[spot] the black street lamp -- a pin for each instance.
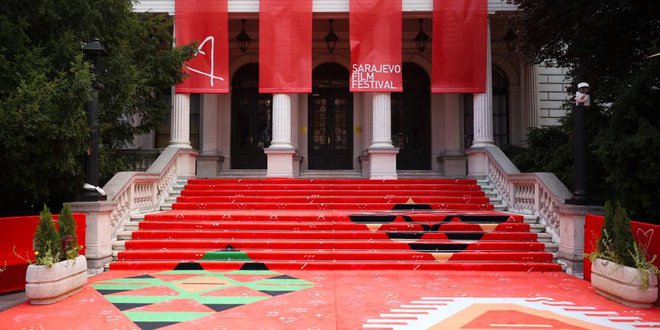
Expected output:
(331, 38)
(579, 110)
(422, 38)
(243, 39)
(93, 51)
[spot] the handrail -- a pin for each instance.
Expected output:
(538, 193)
(136, 192)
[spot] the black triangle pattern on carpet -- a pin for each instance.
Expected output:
(372, 218)
(109, 292)
(127, 306)
(275, 293)
(229, 248)
(142, 276)
(222, 307)
(254, 266)
(188, 266)
(283, 277)
(153, 325)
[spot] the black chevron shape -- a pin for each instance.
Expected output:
(153, 325)
(405, 235)
(474, 236)
(434, 247)
(188, 266)
(372, 218)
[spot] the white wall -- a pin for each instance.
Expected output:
(552, 94)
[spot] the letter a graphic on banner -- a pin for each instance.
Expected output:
(376, 45)
(203, 22)
(459, 46)
(285, 46)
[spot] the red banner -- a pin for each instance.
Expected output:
(285, 46)
(375, 27)
(460, 38)
(204, 22)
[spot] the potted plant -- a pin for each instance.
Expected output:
(58, 271)
(620, 270)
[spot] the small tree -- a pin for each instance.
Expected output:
(68, 237)
(46, 240)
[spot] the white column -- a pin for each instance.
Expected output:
(209, 160)
(453, 160)
(281, 153)
(382, 121)
(180, 127)
(210, 133)
(382, 154)
(281, 121)
(530, 97)
(483, 106)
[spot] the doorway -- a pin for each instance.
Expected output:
(251, 120)
(330, 119)
(411, 120)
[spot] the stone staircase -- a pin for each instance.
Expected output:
(407, 242)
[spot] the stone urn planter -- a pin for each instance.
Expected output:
(624, 284)
(46, 285)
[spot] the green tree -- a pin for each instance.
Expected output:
(45, 85)
(46, 240)
(613, 55)
(66, 226)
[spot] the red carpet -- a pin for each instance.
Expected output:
(334, 224)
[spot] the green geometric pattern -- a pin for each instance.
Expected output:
(198, 288)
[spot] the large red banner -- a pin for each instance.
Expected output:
(459, 46)
(204, 22)
(375, 28)
(285, 46)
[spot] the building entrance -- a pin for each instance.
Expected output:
(330, 119)
(251, 120)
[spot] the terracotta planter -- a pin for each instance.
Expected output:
(46, 285)
(623, 284)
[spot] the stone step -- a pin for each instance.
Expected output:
(552, 247)
(124, 235)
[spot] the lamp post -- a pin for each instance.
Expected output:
(579, 110)
(93, 51)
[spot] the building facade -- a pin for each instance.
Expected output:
(373, 134)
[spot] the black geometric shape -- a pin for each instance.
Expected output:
(405, 235)
(153, 325)
(283, 277)
(412, 207)
(254, 266)
(433, 247)
(127, 306)
(142, 276)
(372, 218)
(188, 266)
(275, 293)
(106, 292)
(229, 248)
(469, 236)
(222, 307)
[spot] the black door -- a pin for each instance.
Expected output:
(411, 120)
(331, 138)
(330, 119)
(251, 120)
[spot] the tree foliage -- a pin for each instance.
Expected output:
(45, 85)
(613, 55)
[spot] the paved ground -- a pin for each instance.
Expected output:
(332, 300)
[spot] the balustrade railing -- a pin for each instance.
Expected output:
(528, 193)
(136, 192)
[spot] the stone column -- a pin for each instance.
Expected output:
(453, 160)
(180, 127)
(530, 97)
(209, 162)
(382, 154)
(483, 106)
(180, 135)
(281, 152)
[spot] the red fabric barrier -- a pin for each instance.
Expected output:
(17, 235)
(375, 27)
(647, 235)
(285, 46)
(459, 46)
(204, 22)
